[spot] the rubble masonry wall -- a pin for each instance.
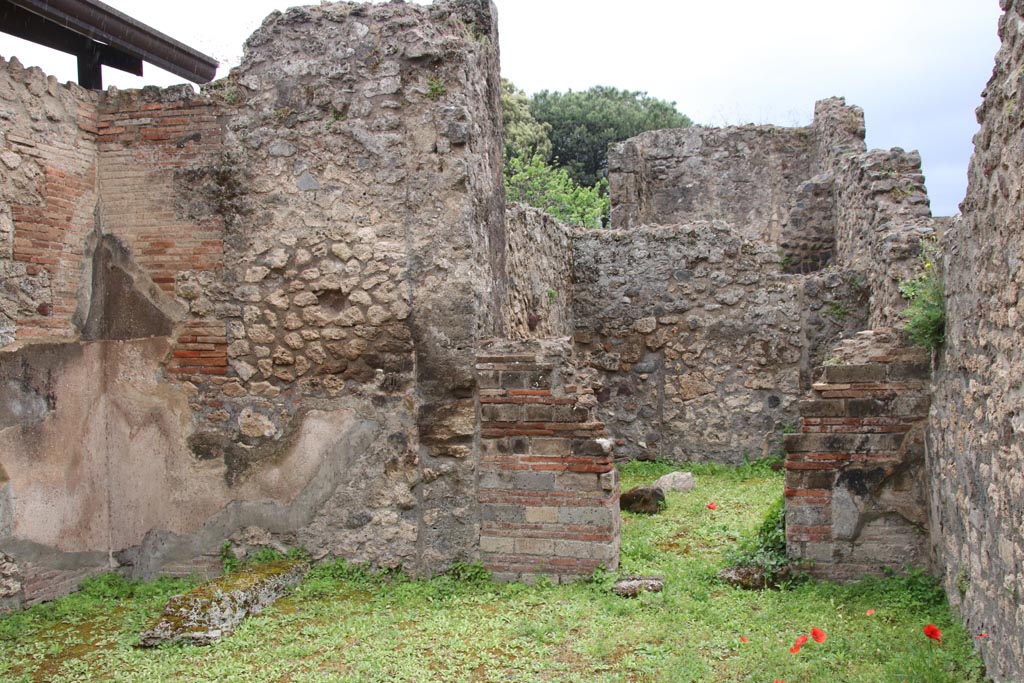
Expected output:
(976, 426)
(260, 303)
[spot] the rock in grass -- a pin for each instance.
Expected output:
(755, 578)
(214, 609)
(632, 586)
(643, 499)
(676, 481)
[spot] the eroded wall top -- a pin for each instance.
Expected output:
(814, 193)
(743, 175)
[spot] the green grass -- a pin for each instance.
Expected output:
(347, 624)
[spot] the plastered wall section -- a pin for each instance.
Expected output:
(977, 420)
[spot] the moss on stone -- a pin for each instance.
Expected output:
(214, 609)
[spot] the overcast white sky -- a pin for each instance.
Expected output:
(917, 67)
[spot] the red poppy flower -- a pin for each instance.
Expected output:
(933, 632)
(801, 640)
(983, 634)
(870, 612)
(793, 650)
(775, 680)
(743, 639)
(712, 506)
(818, 635)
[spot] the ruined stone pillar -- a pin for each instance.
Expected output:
(856, 491)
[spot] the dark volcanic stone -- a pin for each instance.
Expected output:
(646, 500)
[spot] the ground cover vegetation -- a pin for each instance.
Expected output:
(556, 145)
(346, 623)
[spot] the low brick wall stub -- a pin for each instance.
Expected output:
(548, 491)
(856, 500)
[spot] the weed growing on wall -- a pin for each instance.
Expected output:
(926, 313)
(229, 563)
(436, 89)
(837, 310)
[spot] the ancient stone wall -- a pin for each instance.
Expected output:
(808, 239)
(835, 307)
(976, 427)
(145, 139)
(549, 493)
(744, 175)
(880, 210)
(815, 193)
(47, 201)
(539, 265)
(845, 222)
(856, 489)
(265, 313)
(698, 338)
(267, 299)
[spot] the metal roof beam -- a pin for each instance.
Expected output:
(28, 26)
(114, 36)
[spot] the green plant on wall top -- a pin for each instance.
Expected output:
(926, 313)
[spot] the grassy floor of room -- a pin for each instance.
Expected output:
(346, 624)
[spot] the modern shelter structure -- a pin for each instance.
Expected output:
(98, 35)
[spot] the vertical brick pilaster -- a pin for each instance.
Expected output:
(855, 471)
(548, 491)
(49, 233)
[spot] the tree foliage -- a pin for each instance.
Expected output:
(583, 124)
(556, 145)
(551, 190)
(525, 136)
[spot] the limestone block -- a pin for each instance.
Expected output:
(681, 482)
(213, 611)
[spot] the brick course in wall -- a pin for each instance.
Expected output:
(855, 493)
(548, 491)
(50, 169)
(45, 584)
(145, 137)
(201, 351)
